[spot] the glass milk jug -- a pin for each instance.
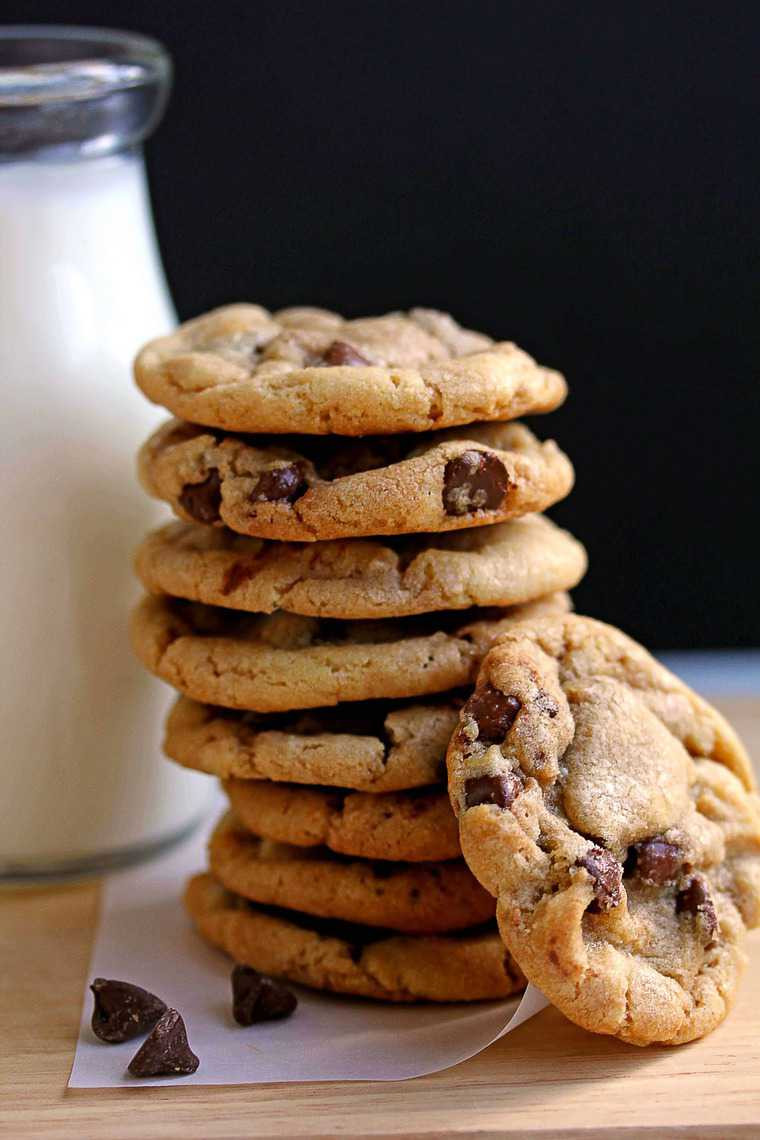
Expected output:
(83, 785)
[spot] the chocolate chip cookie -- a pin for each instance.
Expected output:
(348, 958)
(612, 813)
(306, 489)
(501, 565)
(416, 898)
(282, 661)
(369, 746)
(413, 827)
(308, 370)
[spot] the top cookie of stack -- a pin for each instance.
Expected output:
(310, 371)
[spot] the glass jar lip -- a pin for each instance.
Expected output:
(69, 93)
(55, 63)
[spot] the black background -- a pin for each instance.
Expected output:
(582, 178)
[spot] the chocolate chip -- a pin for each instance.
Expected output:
(474, 481)
(203, 500)
(258, 998)
(499, 790)
(280, 484)
(695, 899)
(494, 713)
(236, 576)
(607, 875)
(166, 1052)
(655, 861)
(123, 1011)
(341, 353)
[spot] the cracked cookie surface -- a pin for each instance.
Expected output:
(369, 746)
(416, 898)
(308, 370)
(304, 489)
(353, 959)
(412, 827)
(501, 565)
(278, 662)
(612, 813)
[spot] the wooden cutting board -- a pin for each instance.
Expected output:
(547, 1079)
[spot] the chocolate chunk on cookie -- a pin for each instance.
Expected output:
(655, 861)
(612, 812)
(606, 875)
(284, 483)
(340, 353)
(489, 714)
(694, 899)
(474, 481)
(499, 790)
(201, 501)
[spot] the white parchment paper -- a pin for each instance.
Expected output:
(145, 937)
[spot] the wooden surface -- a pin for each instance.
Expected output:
(547, 1079)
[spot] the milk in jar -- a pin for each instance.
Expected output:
(83, 784)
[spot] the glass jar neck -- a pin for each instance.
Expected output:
(71, 93)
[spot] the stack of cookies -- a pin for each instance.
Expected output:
(359, 521)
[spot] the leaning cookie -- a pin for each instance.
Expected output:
(369, 746)
(353, 959)
(611, 811)
(416, 898)
(501, 565)
(308, 370)
(281, 661)
(412, 827)
(306, 489)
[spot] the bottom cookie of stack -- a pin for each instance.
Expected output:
(350, 958)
